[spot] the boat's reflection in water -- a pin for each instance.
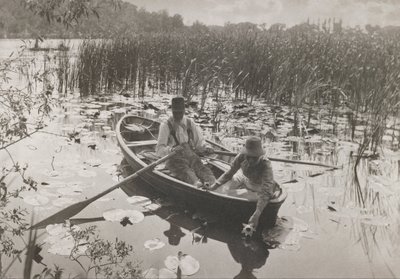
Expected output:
(249, 253)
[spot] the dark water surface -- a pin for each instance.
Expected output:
(323, 230)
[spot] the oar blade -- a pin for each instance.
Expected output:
(62, 215)
(75, 208)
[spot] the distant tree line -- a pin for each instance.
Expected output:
(98, 19)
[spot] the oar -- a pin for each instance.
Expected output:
(228, 153)
(75, 208)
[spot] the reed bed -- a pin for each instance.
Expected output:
(305, 66)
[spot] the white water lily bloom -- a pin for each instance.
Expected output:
(117, 215)
(138, 200)
(154, 244)
(36, 200)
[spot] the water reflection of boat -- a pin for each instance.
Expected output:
(249, 253)
(137, 136)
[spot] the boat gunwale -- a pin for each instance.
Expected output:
(122, 143)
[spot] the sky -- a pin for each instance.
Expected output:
(289, 12)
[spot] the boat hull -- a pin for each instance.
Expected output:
(222, 207)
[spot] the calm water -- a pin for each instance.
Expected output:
(323, 232)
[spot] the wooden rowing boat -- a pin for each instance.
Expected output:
(137, 138)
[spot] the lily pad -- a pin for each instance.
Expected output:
(62, 247)
(36, 200)
(117, 215)
(154, 244)
(187, 264)
(138, 200)
(87, 173)
(70, 191)
(93, 162)
(61, 202)
(172, 263)
(56, 229)
(151, 273)
(154, 273)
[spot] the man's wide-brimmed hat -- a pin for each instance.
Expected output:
(253, 147)
(178, 104)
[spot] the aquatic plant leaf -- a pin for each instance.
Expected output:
(189, 265)
(110, 150)
(172, 263)
(61, 202)
(70, 191)
(151, 273)
(87, 173)
(154, 244)
(46, 193)
(62, 247)
(138, 200)
(56, 229)
(299, 225)
(117, 215)
(376, 221)
(93, 162)
(36, 200)
(165, 273)
(186, 263)
(152, 207)
(294, 187)
(58, 174)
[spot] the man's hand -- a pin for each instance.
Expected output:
(177, 149)
(209, 150)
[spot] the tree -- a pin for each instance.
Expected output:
(66, 12)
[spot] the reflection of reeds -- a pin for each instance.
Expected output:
(30, 251)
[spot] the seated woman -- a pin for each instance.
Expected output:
(251, 170)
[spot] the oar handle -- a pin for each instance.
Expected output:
(134, 175)
(228, 153)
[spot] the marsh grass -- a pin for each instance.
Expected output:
(306, 66)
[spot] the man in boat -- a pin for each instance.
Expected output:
(183, 135)
(251, 170)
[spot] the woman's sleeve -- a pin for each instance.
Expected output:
(229, 173)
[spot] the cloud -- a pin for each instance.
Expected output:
(290, 12)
